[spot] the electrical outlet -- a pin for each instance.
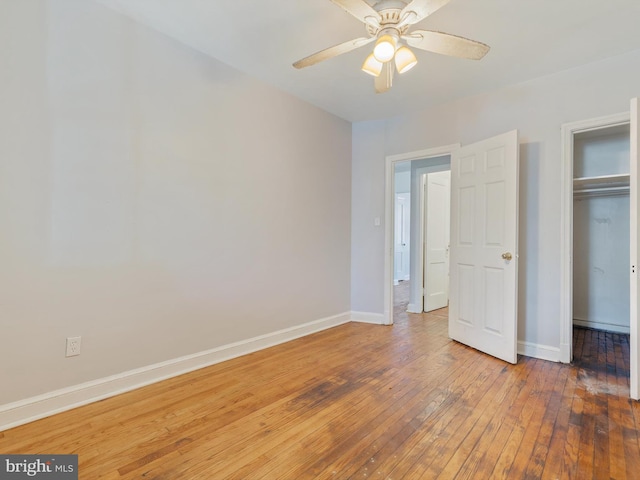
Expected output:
(73, 346)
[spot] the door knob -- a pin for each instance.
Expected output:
(507, 256)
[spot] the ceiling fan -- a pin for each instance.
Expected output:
(387, 23)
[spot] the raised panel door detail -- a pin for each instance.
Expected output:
(493, 300)
(494, 214)
(467, 165)
(466, 219)
(494, 158)
(466, 289)
(484, 226)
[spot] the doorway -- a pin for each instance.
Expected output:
(433, 160)
(597, 218)
(601, 229)
(590, 177)
(484, 239)
(402, 223)
(421, 232)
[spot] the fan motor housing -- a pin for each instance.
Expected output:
(390, 4)
(389, 11)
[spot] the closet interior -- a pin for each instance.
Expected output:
(601, 229)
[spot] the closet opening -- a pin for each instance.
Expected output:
(601, 239)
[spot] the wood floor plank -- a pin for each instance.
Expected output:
(448, 429)
(354, 451)
(467, 448)
(563, 447)
(389, 459)
(617, 459)
(542, 445)
(513, 460)
(602, 430)
(364, 401)
(506, 419)
(426, 432)
(631, 438)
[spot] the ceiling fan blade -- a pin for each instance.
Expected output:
(446, 44)
(419, 9)
(384, 81)
(334, 51)
(360, 9)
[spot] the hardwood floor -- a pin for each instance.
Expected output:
(364, 401)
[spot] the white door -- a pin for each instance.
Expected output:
(484, 240)
(402, 235)
(634, 210)
(436, 246)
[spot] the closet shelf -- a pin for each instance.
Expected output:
(606, 185)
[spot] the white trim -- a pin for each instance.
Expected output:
(634, 210)
(390, 161)
(568, 131)
(566, 351)
(414, 308)
(34, 408)
(368, 317)
(543, 352)
(421, 246)
(609, 327)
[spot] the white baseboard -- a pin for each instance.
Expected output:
(367, 317)
(543, 352)
(414, 308)
(610, 327)
(34, 408)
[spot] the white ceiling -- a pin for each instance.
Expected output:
(528, 39)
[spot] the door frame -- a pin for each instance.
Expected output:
(389, 220)
(569, 130)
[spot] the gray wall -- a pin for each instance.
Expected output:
(152, 200)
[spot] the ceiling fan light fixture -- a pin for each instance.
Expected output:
(405, 59)
(372, 66)
(385, 48)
